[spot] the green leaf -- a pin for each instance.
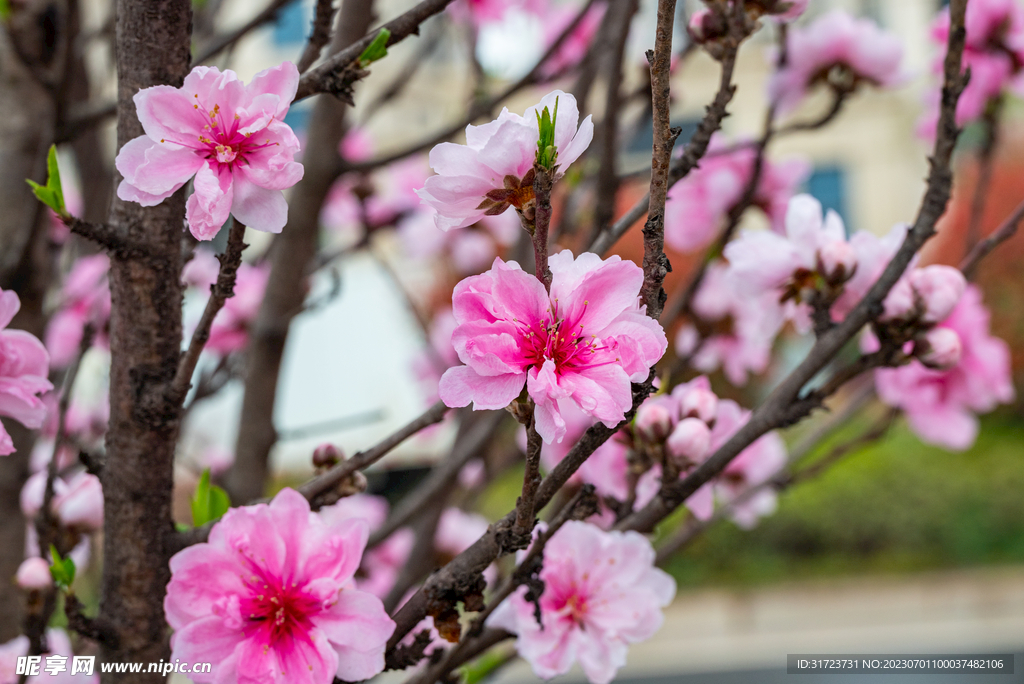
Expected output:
(61, 569)
(378, 49)
(547, 153)
(51, 194)
(479, 669)
(5, 9)
(209, 502)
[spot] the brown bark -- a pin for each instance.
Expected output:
(293, 252)
(27, 115)
(152, 48)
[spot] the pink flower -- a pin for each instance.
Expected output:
(85, 299)
(457, 530)
(231, 137)
(606, 467)
(57, 643)
(380, 565)
(745, 325)
(470, 250)
(34, 573)
(574, 48)
(940, 404)
(586, 341)
(653, 421)
(753, 466)
(699, 204)
(357, 202)
(488, 174)
(601, 594)
(872, 255)
(942, 349)
(24, 365)
(930, 292)
(994, 53)
(479, 12)
(230, 330)
(836, 39)
(77, 502)
(762, 261)
(270, 598)
(689, 441)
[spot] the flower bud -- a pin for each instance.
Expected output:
(327, 455)
(653, 421)
(81, 506)
(939, 289)
(838, 261)
(899, 303)
(707, 26)
(941, 348)
(690, 440)
(699, 403)
(34, 573)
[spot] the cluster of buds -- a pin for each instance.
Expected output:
(325, 457)
(675, 429)
(919, 301)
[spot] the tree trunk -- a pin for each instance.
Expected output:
(153, 40)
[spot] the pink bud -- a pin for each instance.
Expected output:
(939, 288)
(899, 303)
(838, 260)
(81, 505)
(653, 421)
(327, 455)
(700, 403)
(941, 349)
(34, 573)
(706, 25)
(690, 440)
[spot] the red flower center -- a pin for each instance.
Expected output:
(276, 610)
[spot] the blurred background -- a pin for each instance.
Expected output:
(900, 547)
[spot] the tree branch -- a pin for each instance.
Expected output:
(1004, 232)
(319, 36)
(220, 292)
(219, 43)
(478, 110)
(337, 74)
(655, 263)
(782, 407)
(692, 154)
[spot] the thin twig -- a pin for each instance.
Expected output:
(219, 43)
(441, 477)
(693, 527)
(220, 292)
(340, 70)
(525, 511)
(1004, 232)
(480, 109)
(364, 459)
(692, 154)
(319, 36)
(324, 482)
(543, 181)
(655, 263)
(526, 567)
(620, 18)
(986, 164)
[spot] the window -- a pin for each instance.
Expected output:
(293, 23)
(828, 185)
